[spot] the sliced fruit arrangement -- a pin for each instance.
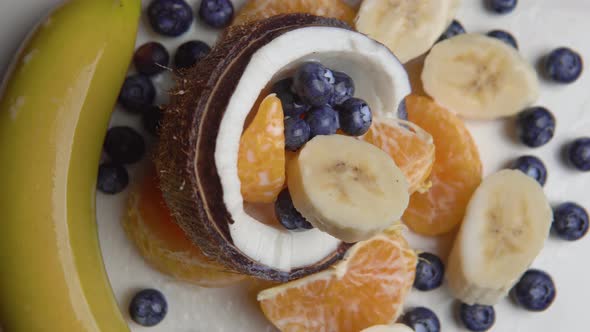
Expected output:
(408, 27)
(346, 187)
(58, 99)
(505, 227)
(479, 77)
(411, 147)
(260, 9)
(368, 287)
(163, 244)
(261, 159)
(456, 173)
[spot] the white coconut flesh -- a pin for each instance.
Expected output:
(379, 78)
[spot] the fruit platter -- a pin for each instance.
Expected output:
(294, 165)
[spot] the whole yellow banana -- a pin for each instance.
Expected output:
(54, 112)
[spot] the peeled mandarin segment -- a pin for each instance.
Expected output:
(411, 148)
(261, 160)
(367, 288)
(260, 9)
(164, 245)
(456, 173)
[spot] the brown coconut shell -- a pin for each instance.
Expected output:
(188, 174)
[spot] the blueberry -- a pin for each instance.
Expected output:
(456, 28)
(533, 167)
(151, 58)
(216, 13)
(355, 117)
(570, 221)
(189, 53)
(564, 65)
(343, 88)
(323, 121)
(536, 126)
(152, 119)
(429, 272)
(170, 18)
(314, 83)
(297, 133)
(287, 215)
(137, 93)
(535, 291)
(421, 319)
(124, 145)
(402, 111)
(504, 36)
(502, 6)
(292, 105)
(579, 154)
(477, 318)
(112, 178)
(148, 307)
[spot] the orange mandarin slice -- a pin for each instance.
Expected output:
(456, 173)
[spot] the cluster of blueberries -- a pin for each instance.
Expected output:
(170, 18)
(535, 291)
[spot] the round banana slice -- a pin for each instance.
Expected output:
(504, 229)
(479, 77)
(389, 328)
(408, 27)
(347, 188)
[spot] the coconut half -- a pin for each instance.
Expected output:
(198, 151)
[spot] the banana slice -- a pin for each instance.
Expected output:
(504, 229)
(346, 187)
(479, 77)
(453, 9)
(408, 27)
(389, 328)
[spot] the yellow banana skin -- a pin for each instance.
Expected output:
(54, 113)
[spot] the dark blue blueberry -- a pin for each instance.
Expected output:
(533, 167)
(504, 36)
(138, 93)
(564, 65)
(297, 133)
(422, 320)
(124, 145)
(170, 18)
(314, 83)
(292, 105)
(151, 119)
(112, 178)
(429, 272)
(402, 111)
(570, 221)
(536, 126)
(579, 154)
(148, 307)
(502, 6)
(287, 215)
(343, 88)
(456, 28)
(477, 318)
(189, 53)
(323, 121)
(151, 58)
(355, 117)
(535, 291)
(216, 13)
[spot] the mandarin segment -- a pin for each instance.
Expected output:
(456, 173)
(261, 159)
(260, 9)
(411, 148)
(367, 288)
(164, 245)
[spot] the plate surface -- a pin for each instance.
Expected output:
(539, 26)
